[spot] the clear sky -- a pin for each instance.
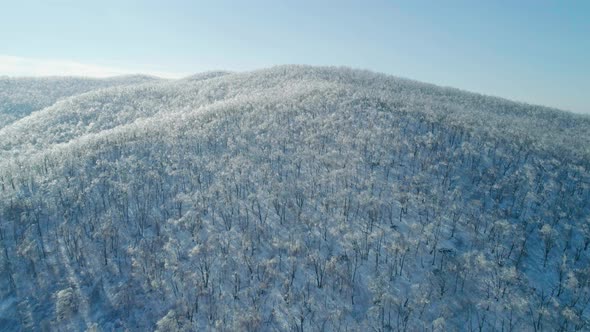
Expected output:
(535, 51)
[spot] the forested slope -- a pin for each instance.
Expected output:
(294, 198)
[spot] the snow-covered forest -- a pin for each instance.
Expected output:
(289, 199)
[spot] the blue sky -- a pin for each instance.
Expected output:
(532, 51)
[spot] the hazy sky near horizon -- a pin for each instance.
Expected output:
(532, 51)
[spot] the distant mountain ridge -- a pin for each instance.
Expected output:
(23, 95)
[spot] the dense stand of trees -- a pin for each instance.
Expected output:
(297, 199)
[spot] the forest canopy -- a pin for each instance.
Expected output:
(291, 198)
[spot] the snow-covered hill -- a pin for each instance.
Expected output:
(294, 198)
